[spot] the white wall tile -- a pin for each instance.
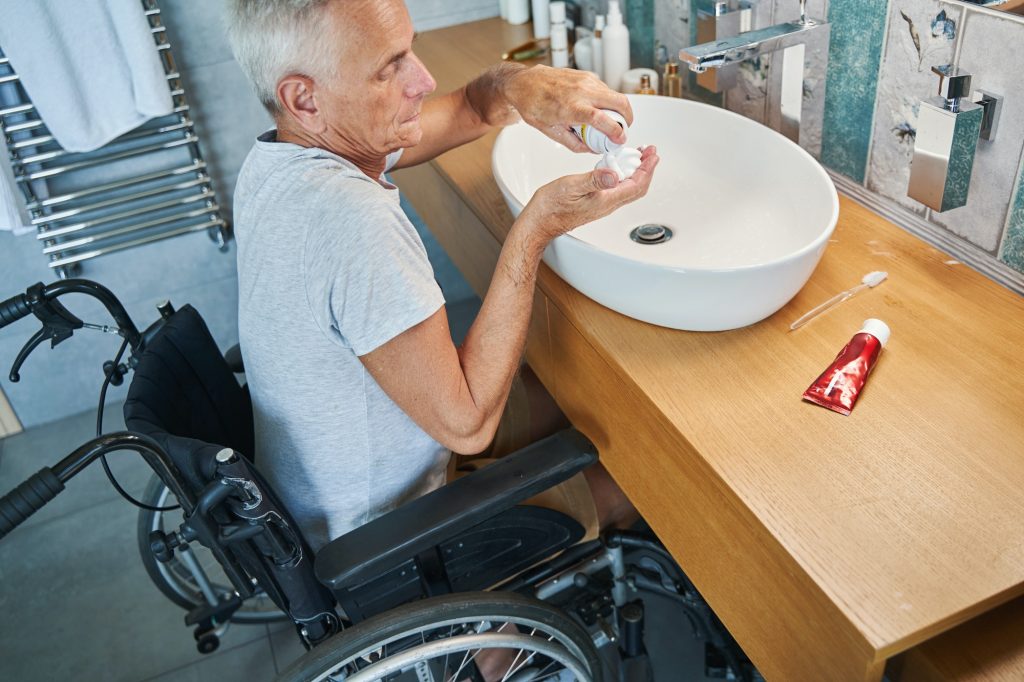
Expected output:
(431, 14)
(228, 118)
(196, 31)
(906, 79)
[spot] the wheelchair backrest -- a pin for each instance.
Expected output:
(184, 395)
(182, 387)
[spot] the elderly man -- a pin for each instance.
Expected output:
(359, 393)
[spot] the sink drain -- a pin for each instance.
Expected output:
(651, 233)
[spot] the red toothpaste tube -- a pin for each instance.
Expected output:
(838, 386)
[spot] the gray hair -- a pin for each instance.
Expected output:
(275, 38)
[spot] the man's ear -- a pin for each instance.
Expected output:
(296, 96)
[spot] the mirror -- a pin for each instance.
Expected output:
(1011, 6)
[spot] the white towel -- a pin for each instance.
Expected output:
(11, 218)
(10, 213)
(90, 66)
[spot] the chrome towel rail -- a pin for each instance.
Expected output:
(197, 167)
(87, 204)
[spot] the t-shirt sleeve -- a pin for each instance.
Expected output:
(368, 278)
(392, 159)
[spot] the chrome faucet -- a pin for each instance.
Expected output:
(726, 19)
(788, 43)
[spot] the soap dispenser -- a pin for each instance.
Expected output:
(948, 129)
(615, 46)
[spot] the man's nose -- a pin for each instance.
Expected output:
(422, 83)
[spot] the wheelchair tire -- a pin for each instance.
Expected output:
(173, 578)
(420, 624)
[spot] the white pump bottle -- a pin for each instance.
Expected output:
(597, 44)
(615, 46)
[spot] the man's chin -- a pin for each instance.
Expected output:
(412, 139)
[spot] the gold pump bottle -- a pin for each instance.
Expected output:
(645, 86)
(673, 82)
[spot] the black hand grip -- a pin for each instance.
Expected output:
(13, 309)
(27, 499)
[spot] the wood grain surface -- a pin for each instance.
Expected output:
(9, 424)
(827, 544)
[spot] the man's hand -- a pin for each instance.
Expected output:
(574, 200)
(554, 100)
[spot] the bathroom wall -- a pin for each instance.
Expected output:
(186, 269)
(877, 73)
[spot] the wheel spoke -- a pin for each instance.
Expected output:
(512, 668)
(444, 668)
(465, 660)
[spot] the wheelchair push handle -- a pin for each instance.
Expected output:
(58, 323)
(13, 309)
(32, 495)
(41, 300)
(27, 499)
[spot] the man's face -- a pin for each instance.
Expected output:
(372, 107)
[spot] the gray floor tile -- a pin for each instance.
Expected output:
(285, 644)
(34, 448)
(250, 662)
(76, 603)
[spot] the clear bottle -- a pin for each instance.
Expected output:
(615, 46)
(541, 23)
(645, 86)
(597, 55)
(598, 142)
(673, 82)
(559, 36)
(518, 11)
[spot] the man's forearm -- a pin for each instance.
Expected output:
(463, 115)
(487, 94)
(493, 348)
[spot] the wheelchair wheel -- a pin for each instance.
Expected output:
(175, 580)
(440, 639)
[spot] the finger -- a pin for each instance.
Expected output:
(566, 137)
(608, 125)
(602, 179)
(604, 97)
(636, 185)
(584, 184)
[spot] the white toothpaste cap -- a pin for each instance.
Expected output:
(877, 329)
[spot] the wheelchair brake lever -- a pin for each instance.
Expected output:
(23, 354)
(59, 324)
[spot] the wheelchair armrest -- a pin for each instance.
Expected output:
(375, 547)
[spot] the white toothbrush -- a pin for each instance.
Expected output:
(872, 279)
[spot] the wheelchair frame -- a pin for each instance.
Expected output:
(442, 543)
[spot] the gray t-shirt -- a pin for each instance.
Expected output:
(329, 268)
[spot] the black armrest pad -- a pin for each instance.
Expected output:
(377, 546)
(234, 359)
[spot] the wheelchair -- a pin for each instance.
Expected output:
(416, 594)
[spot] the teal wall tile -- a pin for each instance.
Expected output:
(961, 158)
(858, 29)
(1013, 247)
(640, 17)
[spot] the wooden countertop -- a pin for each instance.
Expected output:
(839, 541)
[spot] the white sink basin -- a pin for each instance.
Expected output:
(750, 212)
